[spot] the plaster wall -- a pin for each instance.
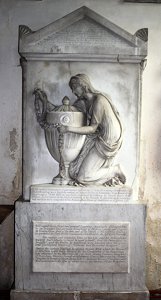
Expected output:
(129, 16)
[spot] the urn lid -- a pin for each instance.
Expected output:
(66, 106)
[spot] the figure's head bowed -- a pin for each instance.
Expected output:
(83, 81)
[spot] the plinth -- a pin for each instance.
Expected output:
(79, 248)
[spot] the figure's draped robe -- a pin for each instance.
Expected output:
(94, 163)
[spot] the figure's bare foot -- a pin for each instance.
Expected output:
(121, 177)
(112, 182)
(118, 179)
(76, 183)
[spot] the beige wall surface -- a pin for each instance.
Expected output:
(129, 16)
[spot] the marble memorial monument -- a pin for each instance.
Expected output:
(79, 229)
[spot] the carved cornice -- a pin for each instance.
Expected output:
(142, 34)
(71, 38)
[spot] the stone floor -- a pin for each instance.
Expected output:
(5, 295)
(5, 210)
(156, 294)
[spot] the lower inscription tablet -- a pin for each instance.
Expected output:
(86, 247)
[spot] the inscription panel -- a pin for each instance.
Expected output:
(84, 36)
(80, 246)
(51, 194)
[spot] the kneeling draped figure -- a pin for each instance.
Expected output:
(103, 136)
(104, 133)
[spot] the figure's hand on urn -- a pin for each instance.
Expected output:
(63, 129)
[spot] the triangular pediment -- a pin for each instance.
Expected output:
(82, 32)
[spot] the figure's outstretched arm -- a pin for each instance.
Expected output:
(40, 94)
(81, 130)
(42, 97)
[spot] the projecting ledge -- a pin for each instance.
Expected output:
(41, 295)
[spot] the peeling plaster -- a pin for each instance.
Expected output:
(143, 171)
(13, 143)
(16, 182)
(154, 246)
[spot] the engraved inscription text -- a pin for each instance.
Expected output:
(80, 246)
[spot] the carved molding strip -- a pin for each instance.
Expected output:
(81, 57)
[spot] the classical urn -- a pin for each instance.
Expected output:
(64, 148)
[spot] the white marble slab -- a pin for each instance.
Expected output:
(49, 193)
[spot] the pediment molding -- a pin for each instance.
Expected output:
(82, 34)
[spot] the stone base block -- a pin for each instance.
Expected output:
(130, 277)
(51, 295)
